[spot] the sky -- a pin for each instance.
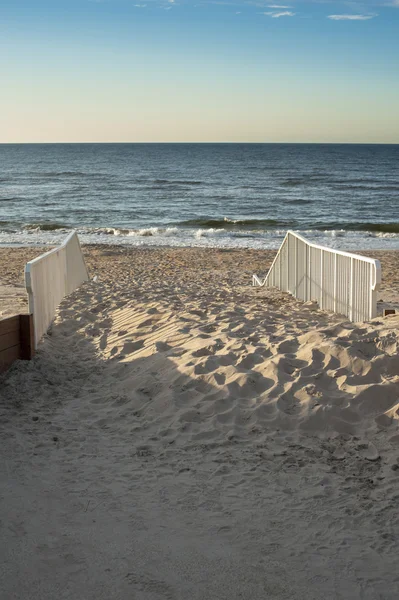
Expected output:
(199, 71)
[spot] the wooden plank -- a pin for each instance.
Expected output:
(27, 337)
(16, 340)
(10, 339)
(9, 324)
(7, 357)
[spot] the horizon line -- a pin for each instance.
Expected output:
(205, 143)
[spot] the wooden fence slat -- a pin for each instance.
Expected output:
(9, 324)
(10, 339)
(7, 357)
(16, 340)
(27, 336)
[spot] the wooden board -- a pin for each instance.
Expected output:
(7, 357)
(27, 337)
(16, 340)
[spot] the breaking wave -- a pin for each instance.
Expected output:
(226, 223)
(44, 226)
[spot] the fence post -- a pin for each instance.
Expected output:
(373, 293)
(351, 283)
(27, 336)
(305, 262)
(335, 281)
(321, 278)
(296, 267)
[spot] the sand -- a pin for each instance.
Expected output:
(181, 434)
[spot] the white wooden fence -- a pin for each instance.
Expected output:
(341, 282)
(50, 277)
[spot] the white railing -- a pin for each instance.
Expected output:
(341, 282)
(50, 277)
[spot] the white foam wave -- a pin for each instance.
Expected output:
(206, 237)
(200, 233)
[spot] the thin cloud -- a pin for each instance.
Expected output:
(280, 6)
(277, 15)
(350, 17)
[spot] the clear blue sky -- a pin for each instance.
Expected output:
(191, 70)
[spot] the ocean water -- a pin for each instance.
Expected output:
(224, 195)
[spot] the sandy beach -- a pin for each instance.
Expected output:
(181, 434)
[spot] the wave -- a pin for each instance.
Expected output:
(241, 225)
(368, 188)
(44, 226)
(298, 201)
(227, 223)
(201, 233)
(362, 184)
(309, 179)
(143, 232)
(177, 182)
(368, 180)
(203, 227)
(274, 224)
(53, 174)
(370, 227)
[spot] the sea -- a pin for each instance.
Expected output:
(211, 195)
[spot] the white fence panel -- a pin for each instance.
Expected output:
(50, 277)
(339, 281)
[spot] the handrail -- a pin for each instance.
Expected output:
(339, 281)
(50, 277)
(53, 251)
(333, 250)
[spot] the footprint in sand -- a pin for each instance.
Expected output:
(146, 323)
(227, 359)
(162, 346)
(289, 346)
(289, 405)
(211, 364)
(205, 351)
(250, 361)
(103, 341)
(208, 328)
(129, 346)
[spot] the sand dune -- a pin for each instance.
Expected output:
(179, 435)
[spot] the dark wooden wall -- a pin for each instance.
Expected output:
(16, 340)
